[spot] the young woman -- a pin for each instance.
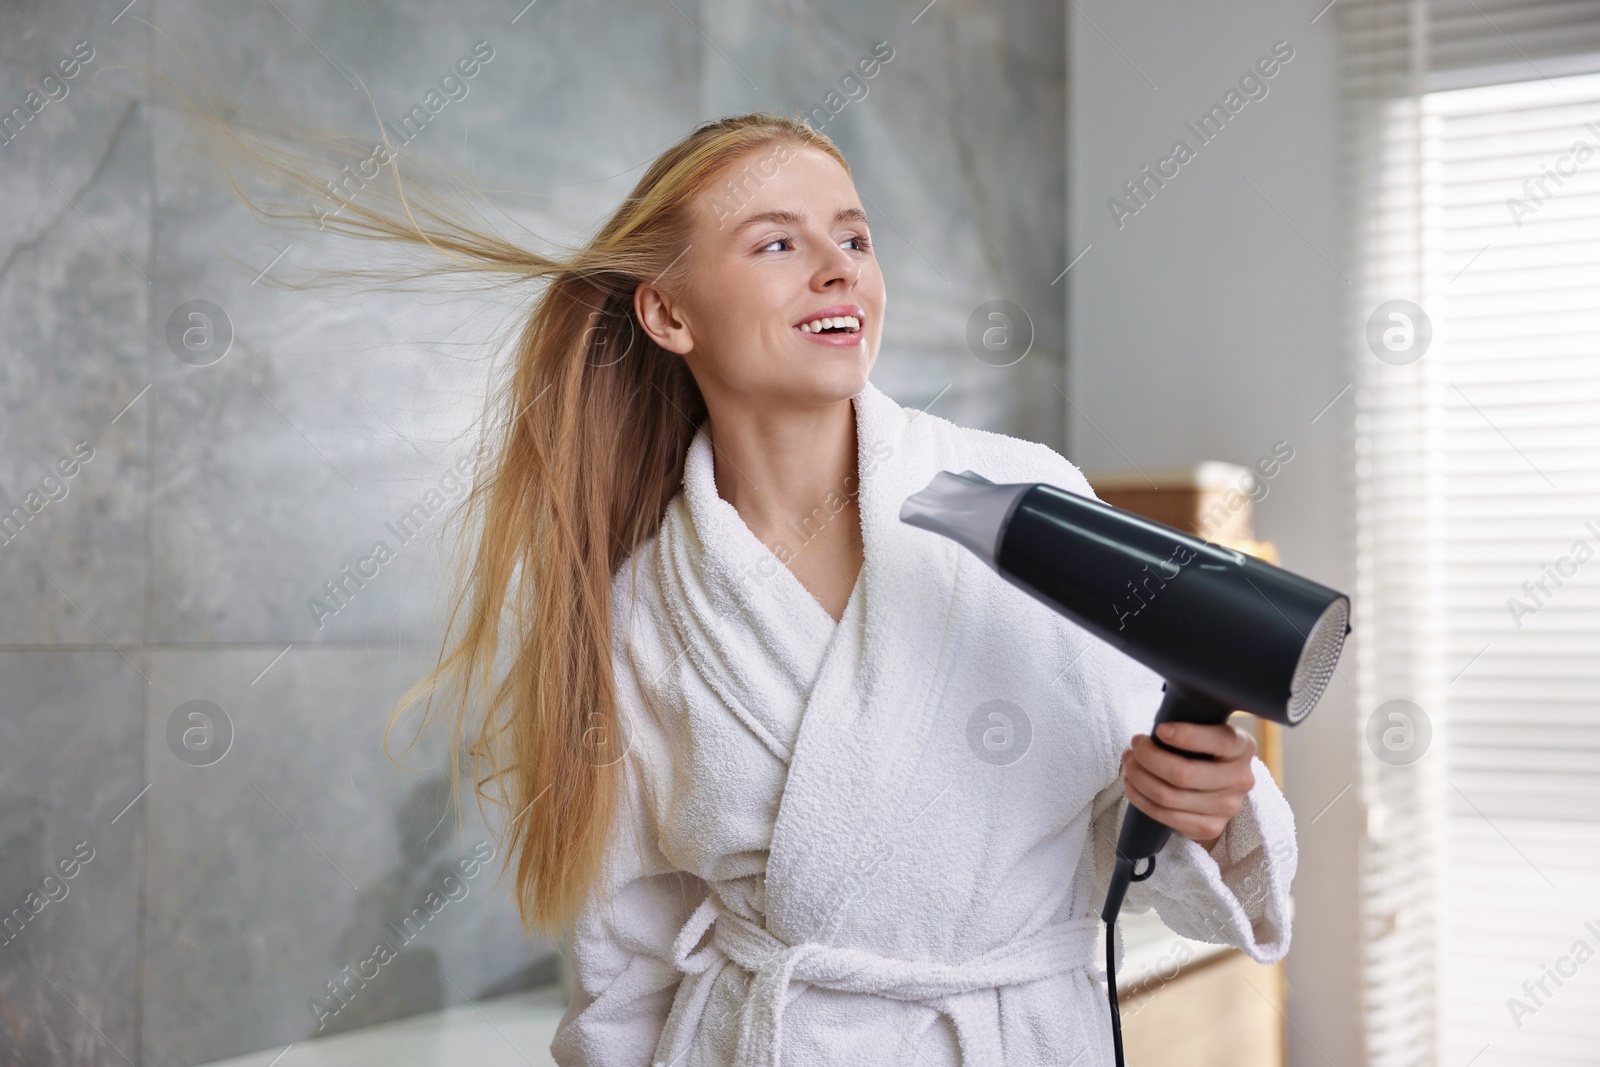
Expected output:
(810, 862)
(804, 784)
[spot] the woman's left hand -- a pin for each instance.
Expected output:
(1195, 797)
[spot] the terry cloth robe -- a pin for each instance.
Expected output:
(883, 841)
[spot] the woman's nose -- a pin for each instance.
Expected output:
(839, 267)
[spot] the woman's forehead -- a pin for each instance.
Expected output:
(804, 181)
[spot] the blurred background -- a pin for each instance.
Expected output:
(1317, 279)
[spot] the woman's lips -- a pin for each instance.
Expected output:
(835, 313)
(842, 339)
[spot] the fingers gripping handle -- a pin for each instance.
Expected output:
(1186, 705)
(1141, 836)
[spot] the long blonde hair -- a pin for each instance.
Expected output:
(584, 447)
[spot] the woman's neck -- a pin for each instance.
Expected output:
(774, 466)
(793, 478)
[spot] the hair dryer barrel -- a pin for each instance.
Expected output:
(1209, 619)
(1250, 635)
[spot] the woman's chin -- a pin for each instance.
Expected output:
(826, 377)
(838, 379)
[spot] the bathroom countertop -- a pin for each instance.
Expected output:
(509, 1031)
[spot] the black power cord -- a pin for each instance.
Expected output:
(1120, 878)
(1111, 988)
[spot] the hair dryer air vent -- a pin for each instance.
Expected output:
(1318, 659)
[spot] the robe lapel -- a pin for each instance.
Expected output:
(867, 717)
(751, 630)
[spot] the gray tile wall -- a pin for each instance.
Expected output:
(174, 564)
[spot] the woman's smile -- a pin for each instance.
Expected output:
(838, 326)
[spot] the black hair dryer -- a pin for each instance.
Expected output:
(1226, 630)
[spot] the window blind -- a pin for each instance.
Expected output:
(1478, 482)
(1508, 40)
(1394, 619)
(1514, 248)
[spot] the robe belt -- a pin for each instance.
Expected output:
(953, 988)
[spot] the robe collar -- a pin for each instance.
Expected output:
(732, 599)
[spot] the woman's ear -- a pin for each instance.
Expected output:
(659, 318)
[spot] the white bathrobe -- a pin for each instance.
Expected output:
(883, 841)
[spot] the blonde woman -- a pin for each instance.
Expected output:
(803, 784)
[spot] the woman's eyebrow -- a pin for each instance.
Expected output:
(787, 217)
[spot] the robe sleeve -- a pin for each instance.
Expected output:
(1237, 893)
(624, 980)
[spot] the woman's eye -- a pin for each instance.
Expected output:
(862, 242)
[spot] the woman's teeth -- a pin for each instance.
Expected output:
(847, 322)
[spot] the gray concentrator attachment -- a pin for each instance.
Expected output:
(967, 508)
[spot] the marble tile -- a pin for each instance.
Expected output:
(74, 261)
(335, 411)
(71, 768)
(279, 464)
(283, 844)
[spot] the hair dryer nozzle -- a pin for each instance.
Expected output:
(967, 508)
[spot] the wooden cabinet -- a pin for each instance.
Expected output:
(1226, 1011)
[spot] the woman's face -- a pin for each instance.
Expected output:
(785, 243)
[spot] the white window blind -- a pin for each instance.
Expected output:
(1511, 247)
(1479, 526)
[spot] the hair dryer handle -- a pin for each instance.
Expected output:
(1142, 836)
